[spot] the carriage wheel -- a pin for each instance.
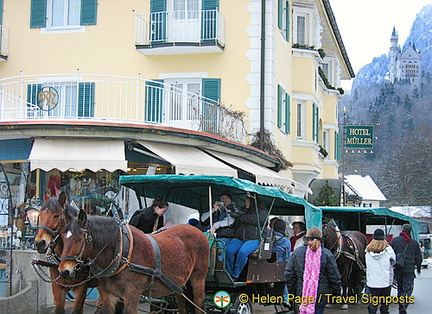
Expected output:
(242, 308)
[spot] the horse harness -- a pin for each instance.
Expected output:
(121, 260)
(343, 239)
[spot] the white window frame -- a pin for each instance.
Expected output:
(66, 26)
(184, 112)
(301, 119)
(312, 27)
(60, 110)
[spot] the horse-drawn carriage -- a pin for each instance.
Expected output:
(349, 245)
(263, 276)
(168, 261)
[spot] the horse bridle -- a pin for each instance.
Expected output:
(337, 241)
(54, 233)
(79, 262)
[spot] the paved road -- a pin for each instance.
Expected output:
(421, 304)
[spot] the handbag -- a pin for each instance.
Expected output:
(400, 259)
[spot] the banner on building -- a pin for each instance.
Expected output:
(359, 137)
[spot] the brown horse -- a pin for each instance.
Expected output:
(51, 222)
(182, 257)
(349, 249)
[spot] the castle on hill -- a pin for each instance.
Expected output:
(403, 64)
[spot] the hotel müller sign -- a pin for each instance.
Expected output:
(359, 136)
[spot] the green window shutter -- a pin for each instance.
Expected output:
(32, 91)
(38, 13)
(288, 21)
(158, 22)
(154, 100)
(86, 99)
(209, 20)
(337, 146)
(157, 5)
(280, 14)
(211, 90)
(279, 106)
(88, 12)
(287, 113)
(1, 12)
(315, 123)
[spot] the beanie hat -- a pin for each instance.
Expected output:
(378, 234)
(279, 226)
(227, 193)
(407, 229)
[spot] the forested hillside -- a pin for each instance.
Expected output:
(401, 113)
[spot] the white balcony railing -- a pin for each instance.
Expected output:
(157, 28)
(114, 98)
(4, 41)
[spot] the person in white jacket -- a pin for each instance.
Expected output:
(380, 259)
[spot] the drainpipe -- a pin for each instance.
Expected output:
(262, 76)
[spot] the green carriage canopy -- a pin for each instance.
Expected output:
(193, 192)
(358, 217)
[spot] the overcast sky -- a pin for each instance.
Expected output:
(366, 26)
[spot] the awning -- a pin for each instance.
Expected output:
(77, 154)
(189, 160)
(263, 175)
(16, 150)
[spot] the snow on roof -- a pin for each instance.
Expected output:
(364, 187)
(414, 211)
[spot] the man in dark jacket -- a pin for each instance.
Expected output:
(151, 218)
(409, 248)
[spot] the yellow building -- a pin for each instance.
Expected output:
(168, 86)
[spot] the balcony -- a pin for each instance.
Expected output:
(4, 43)
(179, 32)
(115, 99)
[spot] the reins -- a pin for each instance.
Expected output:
(120, 262)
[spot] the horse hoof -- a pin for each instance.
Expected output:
(344, 307)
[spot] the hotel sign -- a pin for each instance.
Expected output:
(359, 136)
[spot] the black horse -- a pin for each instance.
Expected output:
(349, 249)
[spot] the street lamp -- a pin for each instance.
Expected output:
(33, 217)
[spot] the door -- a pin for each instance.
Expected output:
(184, 104)
(184, 20)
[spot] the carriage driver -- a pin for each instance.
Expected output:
(151, 218)
(299, 229)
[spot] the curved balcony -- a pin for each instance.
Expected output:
(115, 99)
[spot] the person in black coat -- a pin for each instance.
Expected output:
(306, 278)
(407, 248)
(249, 225)
(151, 218)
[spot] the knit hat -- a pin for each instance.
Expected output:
(227, 193)
(378, 234)
(279, 226)
(407, 229)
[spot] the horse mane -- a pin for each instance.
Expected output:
(71, 210)
(52, 205)
(104, 230)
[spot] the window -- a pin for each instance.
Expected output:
(189, 103)
(284, 15)
(301, 30)
(62, 13)
(183, 99)
(301, 120)
(72, 99)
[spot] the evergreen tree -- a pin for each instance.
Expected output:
(327, 196)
